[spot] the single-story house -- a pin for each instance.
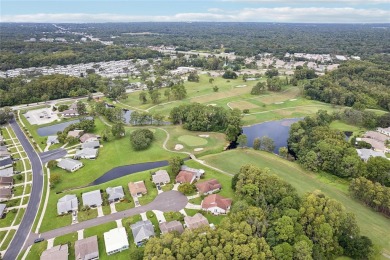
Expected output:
(137, 189)
(93, 144)
(6, 181)
(173, 226)
(188, 174)
(7, 172)
(208, 187)
(3, 208)
(115, 193)
(52, 139)
(197, 221)
(376, 145)
(86, 153)
(75, 133)
(5, 163)
(87, 248)
(216, 204)
(142, 230)
(87, 137)
(92, 198)
(70, 113)
(385, 131)
(5, 154)
(3, 148)
(161, 177)
(67, 204)
(366, 154)
(70, 165)
(5, 193)
(60, 252)
(116, 240)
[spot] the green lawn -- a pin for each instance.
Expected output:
(152, 192)
(372, 224)
(69, 239)
(7, 221)
(19, 216)
(191, 140)
(86, 215)
(170, 216)
(36, 250)
(7, 241)
(152, 217)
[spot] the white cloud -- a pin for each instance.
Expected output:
(281, 14)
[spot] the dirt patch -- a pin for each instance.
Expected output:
(243, 105)
(178, 147)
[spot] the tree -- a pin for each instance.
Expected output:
(142, 97)
(229, 75)
(283, 152)
(193, 77)
(118, 130)
(215, 88)
(141, 139)
(231, 133)
(267, 144)
(55, 178)
(62, 108)
(179, 92)
(271, 73)
(81, 108)
(186, 188)
(5, 115)
(211, 80)
(158, 118)
(175, 164)
(155, 96)
(242, 140)
(167, 94)
(52, 164)
(258, 89)
(257, 143)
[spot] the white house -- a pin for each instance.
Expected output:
(116, 240)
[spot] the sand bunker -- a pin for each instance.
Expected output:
(204, 136)
(240, 86)
(198, 149)
(294, 99)
(278, 103)
(178, 147)
(212, 105)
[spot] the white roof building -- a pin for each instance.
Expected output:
(116, 240)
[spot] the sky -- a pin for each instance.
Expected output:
(282, 11)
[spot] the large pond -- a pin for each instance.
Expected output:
(277, 130)
(53, 129)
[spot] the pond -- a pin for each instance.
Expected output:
(126, 115)
(53, 129)
(277, 130)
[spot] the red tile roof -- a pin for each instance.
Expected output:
(185, 176)
(215, 200)
(207, 186)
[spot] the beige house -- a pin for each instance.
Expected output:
(137, 189)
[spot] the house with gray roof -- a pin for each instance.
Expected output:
(173, 226)
(67, 204)
(5, 163)
(87, 248)
(70, 165)
(161, 177)
(5, 154)
(52, 139)
(7, 172)
(142, 230)
(2, 210)
(93, 144)
(5, 193)
(115, 193)
(86, 153)
(92, 198)
(366, 154)
(60, 252)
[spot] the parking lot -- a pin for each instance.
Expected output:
(41, 116)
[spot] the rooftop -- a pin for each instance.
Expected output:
(87, 248)
(172, 226)
(142, 230)
(58, 253)
(197, 221)
(215, 200)
(92, 198)
(137, 187)
(115, 239)
(207, 186)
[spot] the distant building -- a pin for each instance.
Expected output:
(197, 221)
(173, 226)
(60, 252)
(137, 189)
(70, 165)
(216, 204)
(208, 187)
(70, 113)
(385, 131)
(366, 154)
(67, 204)
(161, 177)
(92, 198)
(116, 240)
(87, 249)
(142, 230)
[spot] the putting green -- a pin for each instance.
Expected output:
(192, 140)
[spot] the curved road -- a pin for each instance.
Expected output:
(35, 197)
(166, 201)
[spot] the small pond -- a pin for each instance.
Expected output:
(277, 130)
(53, 129)
(126, 115)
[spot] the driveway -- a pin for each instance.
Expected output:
(52, 155)
(35, 197)
(166, 201)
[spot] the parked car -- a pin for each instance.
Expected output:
(40, 239)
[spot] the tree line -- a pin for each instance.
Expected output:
(269, 221)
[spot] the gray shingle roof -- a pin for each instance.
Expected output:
(92, 198)
(365, 154)
(68, 164)
(2, 209)
(66, 204)
(93, 144)
(161, 176)
(86, 153)
(7, 172)
(6, 162)
(115, 193)
(87, 248)
(142, 230)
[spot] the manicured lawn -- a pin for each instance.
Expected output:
(151, 195)
(215, 219)
(170, 216)
(18, 190)
(17, 180)
(13, 203)
(372, 224)
(152, 217)
(196, 201)
(7, 241)
(106, 210)
(192, 140)
(28, 189)
(69, 239)
(126, 222)
(19, 216)
(337, 124)
(113, 154)
(36, 250)
(86, 215)
(2, 235)
(7, 221)
(167, 187)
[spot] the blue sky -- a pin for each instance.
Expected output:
(311, 11)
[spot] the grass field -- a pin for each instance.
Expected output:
(191, 140)
(372, 224)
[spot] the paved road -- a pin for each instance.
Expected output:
(52, 155)
(166, 201)
(35, 197)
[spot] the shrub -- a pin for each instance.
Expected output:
(141, 139)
